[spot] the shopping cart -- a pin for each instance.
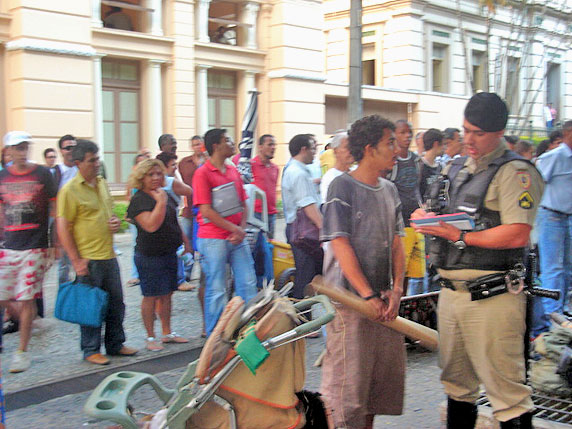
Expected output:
(248, 375)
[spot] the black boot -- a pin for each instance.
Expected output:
(523, 421)
(461, 415)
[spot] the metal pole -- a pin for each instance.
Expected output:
(355, 103)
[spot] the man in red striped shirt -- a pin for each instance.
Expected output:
(27, 194)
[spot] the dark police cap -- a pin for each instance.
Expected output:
(487, 111)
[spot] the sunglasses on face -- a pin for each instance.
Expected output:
(68, 147)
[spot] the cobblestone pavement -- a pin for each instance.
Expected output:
(56, 355)
(423, 395)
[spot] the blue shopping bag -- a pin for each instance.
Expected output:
(81, 303)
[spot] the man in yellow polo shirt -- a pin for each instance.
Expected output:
(86, 225)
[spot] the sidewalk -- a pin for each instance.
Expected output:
(55, 348)
(56, 355)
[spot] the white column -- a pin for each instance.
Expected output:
(201, 103)
(202, 20)
(155, 119)
(96, 14)
(98, 104)
(249, 83)
(249, 15)
(156, 17)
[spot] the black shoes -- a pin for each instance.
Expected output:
(461, 415)
(10, 327)
(523, 421)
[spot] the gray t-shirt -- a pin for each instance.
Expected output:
(370, 217)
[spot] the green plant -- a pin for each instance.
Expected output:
(120, 210)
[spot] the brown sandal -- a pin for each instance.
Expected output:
(173, 338)
(151, 344)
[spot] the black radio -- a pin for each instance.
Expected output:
(437, 195)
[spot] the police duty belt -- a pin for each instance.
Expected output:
(496, 284)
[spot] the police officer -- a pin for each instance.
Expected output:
(481, 320)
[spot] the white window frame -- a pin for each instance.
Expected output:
(447, 42)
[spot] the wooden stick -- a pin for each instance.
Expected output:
(426, 337)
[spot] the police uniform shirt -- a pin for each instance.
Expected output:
(515, 192)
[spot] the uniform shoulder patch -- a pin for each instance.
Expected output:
(526, 201)
(524, 179)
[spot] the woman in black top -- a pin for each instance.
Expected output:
(158, 238)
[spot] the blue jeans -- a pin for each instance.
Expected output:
(216, 253)
(271, 223)
(105, 275)
(555, 248)
(187, 227)
(416, 286)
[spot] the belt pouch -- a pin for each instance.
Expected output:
(487, 286)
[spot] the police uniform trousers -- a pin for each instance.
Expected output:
(482, 342)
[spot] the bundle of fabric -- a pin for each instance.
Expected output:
(549, 373)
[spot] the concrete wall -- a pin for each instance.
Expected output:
(49, 92)
(295, 77)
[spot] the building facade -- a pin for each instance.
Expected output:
(432, 56)
(124, 72)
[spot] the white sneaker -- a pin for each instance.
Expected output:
(20, 362)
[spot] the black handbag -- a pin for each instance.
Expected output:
(305, 233)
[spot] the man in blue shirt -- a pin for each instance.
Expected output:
(299, 192)
(554, 223)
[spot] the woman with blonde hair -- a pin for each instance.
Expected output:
(158, 238)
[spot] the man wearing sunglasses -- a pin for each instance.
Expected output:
(66, 170)
(63, 174)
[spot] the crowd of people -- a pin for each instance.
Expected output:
(68, 207)
(369, 190)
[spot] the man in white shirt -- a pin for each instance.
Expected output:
(299, 192)
(64, 172)
(344, 160)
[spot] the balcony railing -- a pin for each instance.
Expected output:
(129, 16)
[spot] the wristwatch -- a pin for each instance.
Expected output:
(460, 243)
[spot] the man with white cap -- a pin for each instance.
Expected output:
(27, 194)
